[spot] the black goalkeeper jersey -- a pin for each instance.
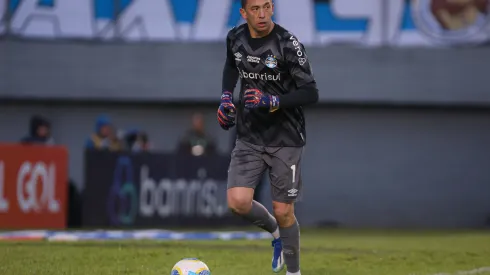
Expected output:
(277, 65)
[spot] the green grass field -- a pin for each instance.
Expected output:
(335, 252)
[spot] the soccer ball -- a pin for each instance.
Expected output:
(190, 266)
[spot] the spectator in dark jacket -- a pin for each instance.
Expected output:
(39, 132)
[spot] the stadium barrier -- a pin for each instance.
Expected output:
(151, 190)
(33, 186)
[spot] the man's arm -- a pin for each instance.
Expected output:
(226, 110)
(230, 72)
(300, 69)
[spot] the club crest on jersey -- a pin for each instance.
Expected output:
(271, 62)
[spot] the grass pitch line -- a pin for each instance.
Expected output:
(481, 270)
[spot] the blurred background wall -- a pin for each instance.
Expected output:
(400, 137)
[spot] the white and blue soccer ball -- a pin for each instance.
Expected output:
(190, 266)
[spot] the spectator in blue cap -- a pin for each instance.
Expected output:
(104, 137)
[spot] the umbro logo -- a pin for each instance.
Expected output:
(238, 56)
(292, 192)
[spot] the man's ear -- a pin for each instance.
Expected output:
(243, 13)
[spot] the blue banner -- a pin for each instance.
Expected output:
(320, 22)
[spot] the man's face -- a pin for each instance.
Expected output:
(258, 14)
(105, 131)
(198, 123)
(42, 131)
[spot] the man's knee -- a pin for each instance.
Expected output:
(284, 213)
(239, 205)
(240, 200)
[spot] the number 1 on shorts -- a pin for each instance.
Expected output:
(293, 168)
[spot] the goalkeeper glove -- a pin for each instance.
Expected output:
(226, 111)
(254, 98)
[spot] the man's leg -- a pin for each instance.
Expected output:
(240, 201)
(245, 172)
(290, 235)
(286, 189)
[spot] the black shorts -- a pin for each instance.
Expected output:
(249, 162)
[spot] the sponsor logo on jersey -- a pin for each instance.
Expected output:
(271, 62)
(253, 59)
(238, 56)
(259, 76)
(297, 46)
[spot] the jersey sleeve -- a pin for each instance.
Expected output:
(229, 53)
(230, 72)
(297, 61)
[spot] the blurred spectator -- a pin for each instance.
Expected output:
(196, 141)
(105, 136)
(39, 132)
(137, 141)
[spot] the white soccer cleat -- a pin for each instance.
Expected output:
(277, 256)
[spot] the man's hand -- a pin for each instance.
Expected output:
(254, 98)
(226, 111)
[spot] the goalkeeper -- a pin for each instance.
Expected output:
(276, 82)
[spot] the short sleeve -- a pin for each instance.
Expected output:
(297, 61)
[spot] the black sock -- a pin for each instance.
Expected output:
(290, 244)
(260, 217)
